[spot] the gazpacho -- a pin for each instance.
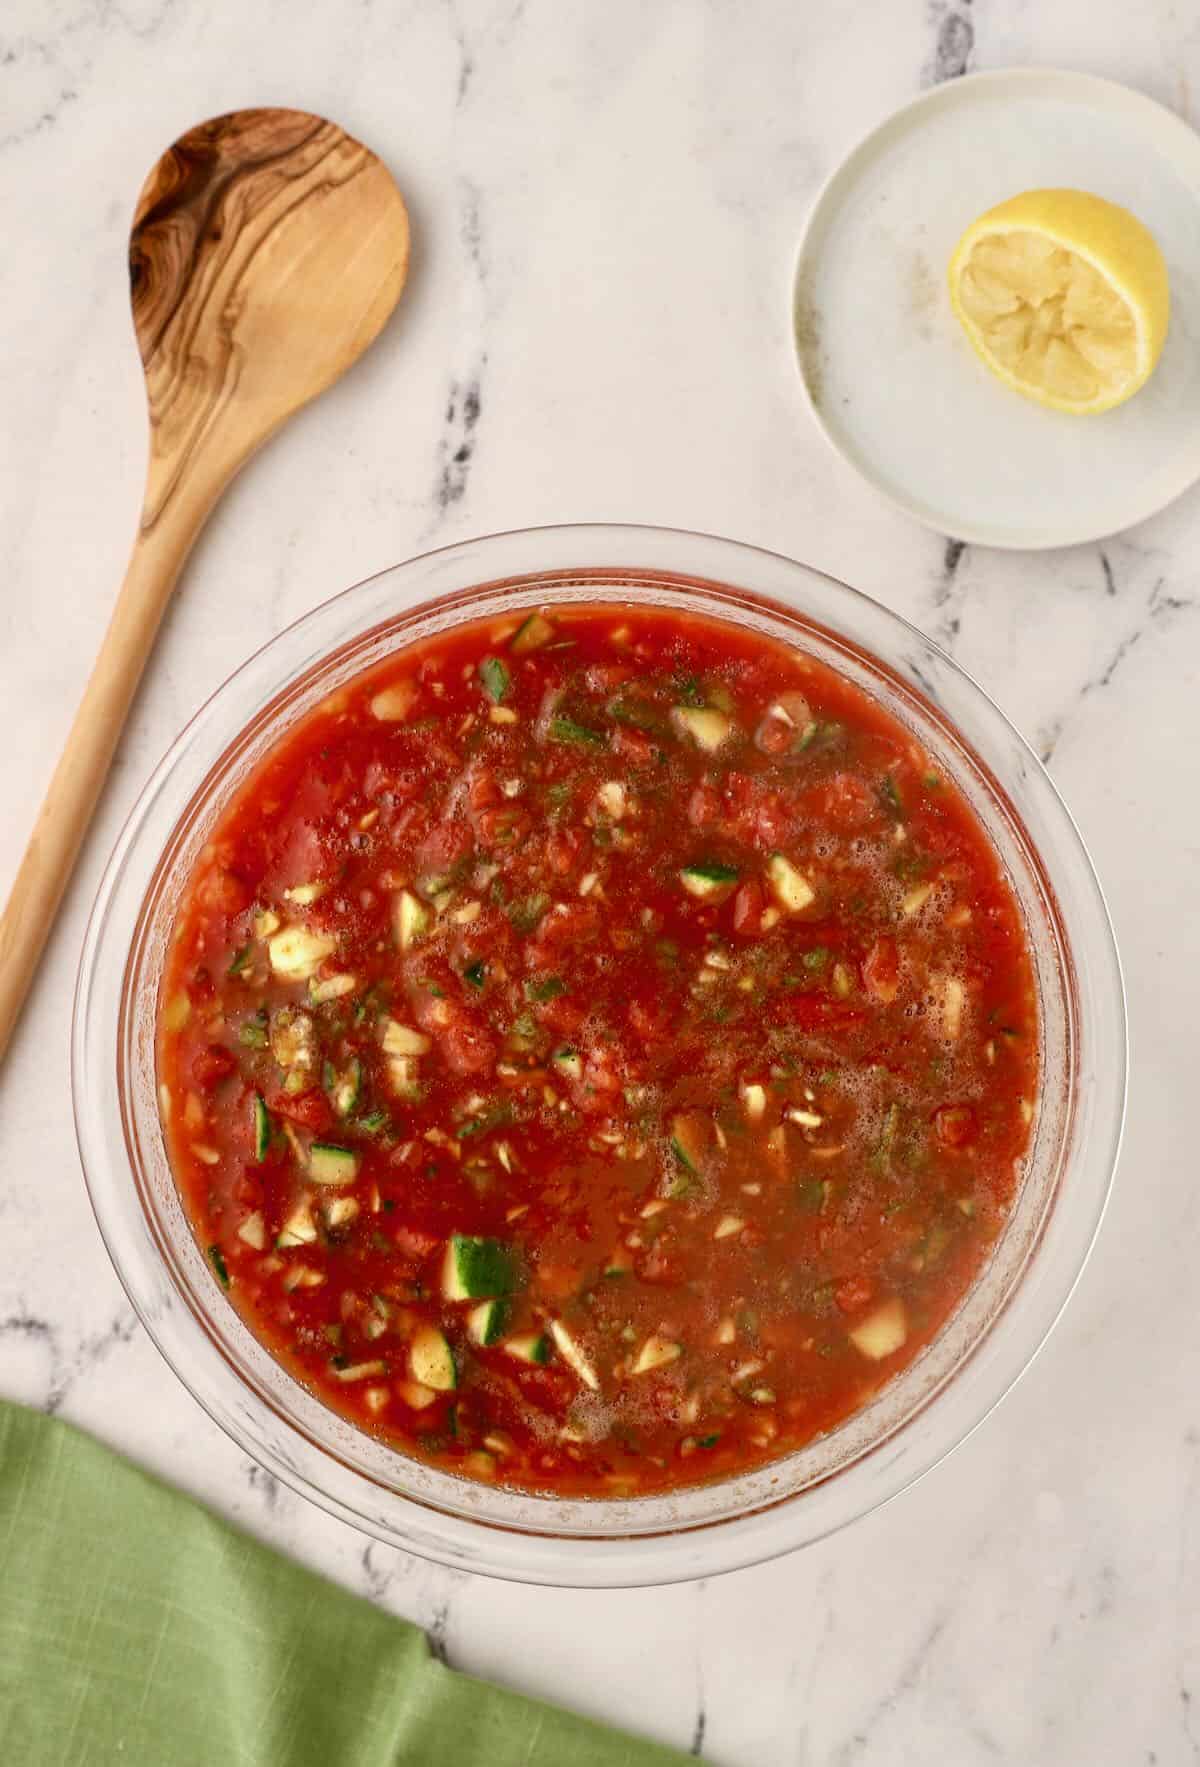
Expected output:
(597, 1049)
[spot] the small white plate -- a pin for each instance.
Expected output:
(891, 378)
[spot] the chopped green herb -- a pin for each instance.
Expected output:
(817, 958)
(884, 1147)
(544, 988)
(531, 634)
(373, 1123)
(252, 1035)
(526, 915)
(890, 795)
(709, 1441)
(486, 1120)
(932, 782)
(811, 1194)
(626, 711)
(687, 690)
(475, 973)
(495, 678)
(216, 1258)
(567, 730)
(558, 794)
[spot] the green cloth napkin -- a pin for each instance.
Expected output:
(136, 1627)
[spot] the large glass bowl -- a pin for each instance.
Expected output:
(927, 1409)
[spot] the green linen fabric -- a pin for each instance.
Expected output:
(138, 1628)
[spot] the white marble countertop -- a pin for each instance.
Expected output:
(606, 200)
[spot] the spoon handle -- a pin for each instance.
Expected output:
(158, 555)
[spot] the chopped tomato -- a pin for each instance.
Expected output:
(211, 1065)
(881, 969)
(956, 1125)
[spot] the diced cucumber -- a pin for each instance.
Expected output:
(332, 1165)
(418, 1397)
(404, 1077)
(299, 1228)
(531, 1346)
(412, 919)
(954, 997)
(295, 952)
(253, 1231)
(261, 1121)
(400, 1039)
(477, 1269)
(792, 890)
(486, 1322)
(569, 1063)
(572, 1355)
(353, 1371)
(293, 1038)
(655, 1353)
(332, 988)
(688, 1139)
(495, 678)
(612, 799)
(754, 1101)
(265, 922)
(346, 1091)
(915, 900)
(707, 879)
(567, 730)
(707, 728)
(305, 894)
(374, 1122)
(339, 1211)
(882, 1332)
(391, 705)
(432, 1360)
(531, 634)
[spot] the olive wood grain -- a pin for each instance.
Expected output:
(268, 250)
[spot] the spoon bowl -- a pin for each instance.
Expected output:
(268, 250)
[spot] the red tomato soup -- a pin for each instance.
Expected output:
(597, 1052)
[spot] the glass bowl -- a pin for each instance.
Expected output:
(928, 1408)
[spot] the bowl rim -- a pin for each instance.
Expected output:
(645, 1556)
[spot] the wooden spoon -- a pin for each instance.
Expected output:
(268, 250)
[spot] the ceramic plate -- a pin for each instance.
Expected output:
(891, 378)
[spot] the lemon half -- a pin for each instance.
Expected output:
(1065, 297)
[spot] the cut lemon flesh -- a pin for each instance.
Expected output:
(1064, 296)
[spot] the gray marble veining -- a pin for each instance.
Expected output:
(606, 201)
